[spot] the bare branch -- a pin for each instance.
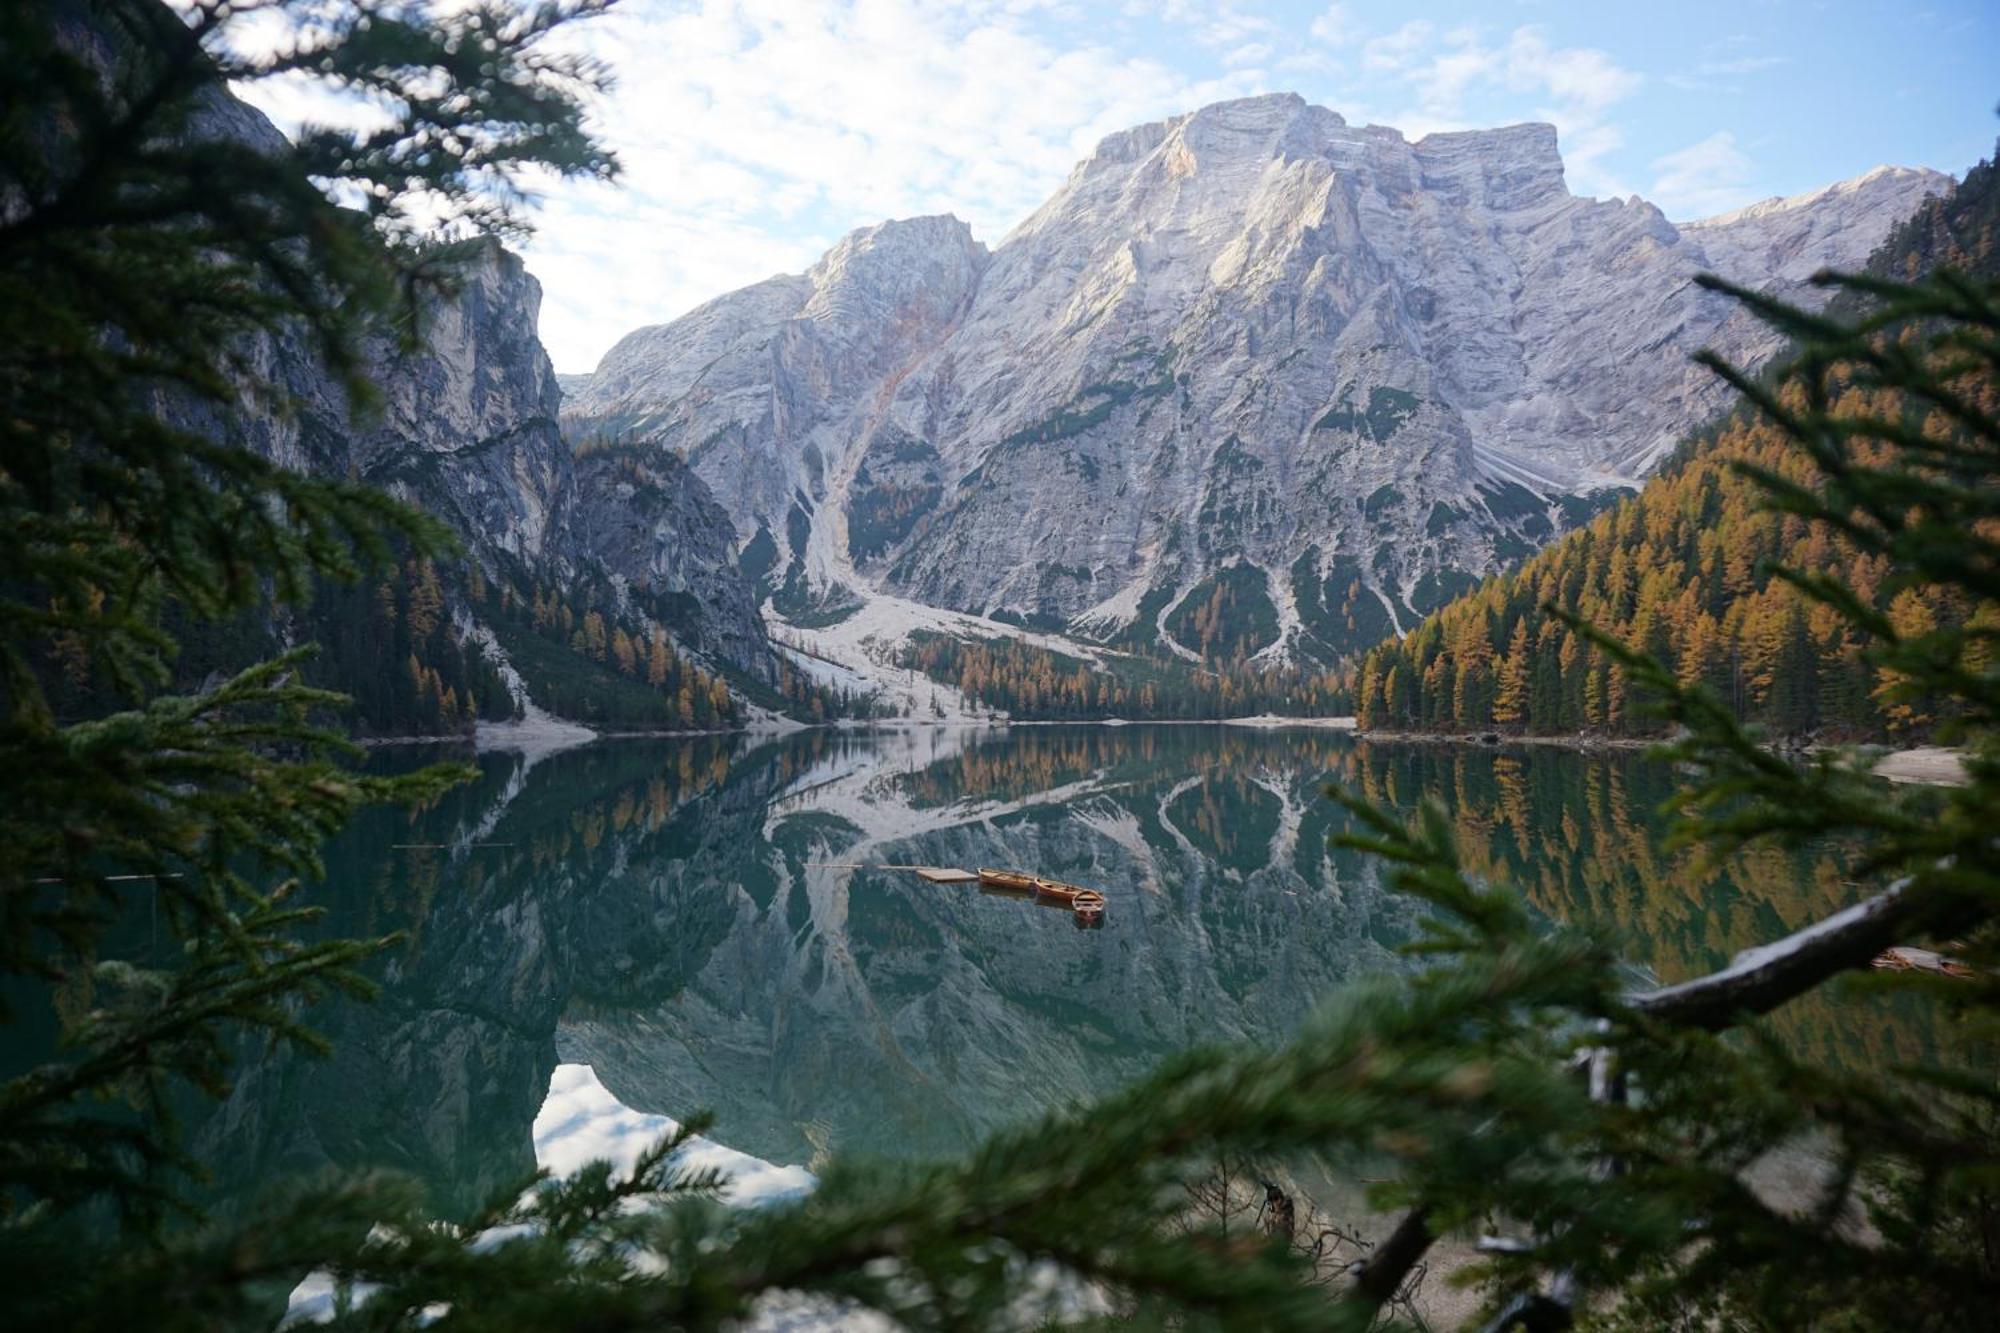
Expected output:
(1755, 982)
(1759, 980)
(1381, 1277)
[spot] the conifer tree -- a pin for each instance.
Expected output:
(147, 239)
(1512, 697)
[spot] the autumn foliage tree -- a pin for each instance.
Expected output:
(1028, 681)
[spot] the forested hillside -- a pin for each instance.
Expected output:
(1681, 570)
(412, 665)
(1961, 232)
(1034, 683)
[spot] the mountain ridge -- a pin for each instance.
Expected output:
(1243, 338)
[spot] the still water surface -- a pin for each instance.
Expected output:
(682, 917)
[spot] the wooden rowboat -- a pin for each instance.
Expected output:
(1006, 881)
(1904, 959)
(1087, 907)
(1055, 891)
(1086, 904)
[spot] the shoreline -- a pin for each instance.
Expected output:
(1929, 765)
(1916, 765)
(1583, 741)
(1259, 721)
(1923, 765)
(512, 735)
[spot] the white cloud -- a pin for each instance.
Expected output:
(1741, 65)
(1393, 51)
(1708, 177)
(754, 133)
(1335, 26)
(1724, 75)
(1213, 23)
(1579, 77)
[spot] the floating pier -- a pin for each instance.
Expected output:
(944, 875)
(929, 874)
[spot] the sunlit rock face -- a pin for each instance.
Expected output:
(1356, 369)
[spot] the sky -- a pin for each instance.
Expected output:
(755, 133)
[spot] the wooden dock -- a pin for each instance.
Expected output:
(929, 874)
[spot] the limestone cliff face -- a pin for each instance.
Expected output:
(468, 429)
(765, 389)
(1337, 370)
(651, 522)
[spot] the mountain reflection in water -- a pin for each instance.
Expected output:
(656, 910)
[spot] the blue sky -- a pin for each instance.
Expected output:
(757, 132)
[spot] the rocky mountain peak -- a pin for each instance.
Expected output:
(1250, 127)
(1243, 123)
(1514, 167)
(1789, 239)
(920, 268)
(1867, 191)
(894, 241)
(1252, 132)
(1251, 357)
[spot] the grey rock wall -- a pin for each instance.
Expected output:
(1253, 336)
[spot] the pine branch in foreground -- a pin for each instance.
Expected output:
(151, 234)
(1902, 1234)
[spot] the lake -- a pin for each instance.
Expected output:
(683, 917)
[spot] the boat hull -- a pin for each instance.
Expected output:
(1087, 905)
